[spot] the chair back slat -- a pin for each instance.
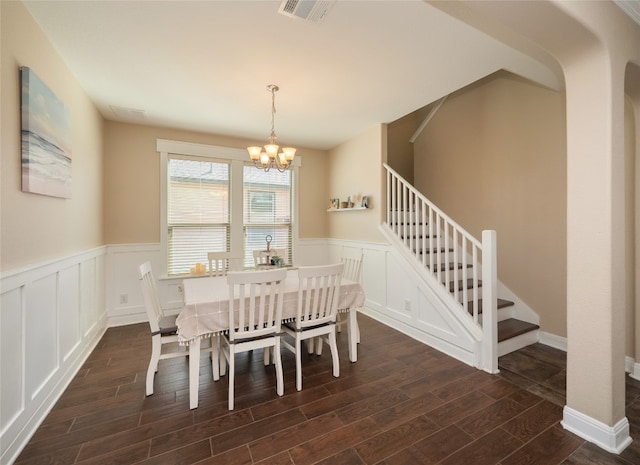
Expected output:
(151, 301)
(255, 303)
(318, 294)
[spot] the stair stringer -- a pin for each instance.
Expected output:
(519, 310)
(432, 316)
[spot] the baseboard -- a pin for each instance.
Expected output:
(633, 368)
(551, 340)
(613, 439)
(560, 343)
(125, 320)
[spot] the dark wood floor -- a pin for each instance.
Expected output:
(401, 403)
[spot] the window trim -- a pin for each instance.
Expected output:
(237, 158)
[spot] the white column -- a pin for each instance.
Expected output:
(595, 251)
(633, 75)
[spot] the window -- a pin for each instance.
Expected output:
(197, 212)
(267, 212)
(261, 206)
(212, 201)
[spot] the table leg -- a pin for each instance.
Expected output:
(194, 372)
(352, 327)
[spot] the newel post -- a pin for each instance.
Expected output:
(489, 302)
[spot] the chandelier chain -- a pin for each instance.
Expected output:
(273, 112)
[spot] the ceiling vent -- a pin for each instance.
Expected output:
(130, 114)
(310, 10)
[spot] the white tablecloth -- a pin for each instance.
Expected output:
(206, 299)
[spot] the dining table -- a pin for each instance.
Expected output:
(205, 315)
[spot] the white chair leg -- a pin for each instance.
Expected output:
(215, 357)
(299, 363)
(318, 345)
(194, 373)
(310, 345)
(334, 354)
(232, 373)
(353, 335)
(223, 360)
(279, 374)
(266, 355)
(153, 362)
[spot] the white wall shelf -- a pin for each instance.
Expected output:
(346, 209)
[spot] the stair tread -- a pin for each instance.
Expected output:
(441, 250)
(451, 266)
(512, 327)
(502, 303)
(461, 284)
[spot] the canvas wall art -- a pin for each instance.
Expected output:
(46, 139)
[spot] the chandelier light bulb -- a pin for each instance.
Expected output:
(254, 153)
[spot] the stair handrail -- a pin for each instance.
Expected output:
(403, 200)
(431, 204)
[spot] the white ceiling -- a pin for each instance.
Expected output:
(204, 65)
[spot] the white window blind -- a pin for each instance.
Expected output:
(197, 212)
(267, 211)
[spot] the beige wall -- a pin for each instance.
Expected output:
(36, 228)
(355, 167)
(400, 149)
(132, 182)
(494, 157)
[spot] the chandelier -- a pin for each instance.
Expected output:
(268, 157)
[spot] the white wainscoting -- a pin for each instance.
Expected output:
(51, 317)
(66, 305)
(394, 294)
(397, 297)
(124, 301)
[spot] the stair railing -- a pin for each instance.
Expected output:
(466, 267)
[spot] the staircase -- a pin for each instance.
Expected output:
(460, 268)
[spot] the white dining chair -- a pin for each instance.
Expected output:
(318, 295)
(352, 259)
(163, 329)
(263, 258)
(222, 262)
(255, 314)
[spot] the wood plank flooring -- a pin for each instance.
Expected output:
(402, 403)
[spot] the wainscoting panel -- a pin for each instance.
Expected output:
(398, 297)
(41, 339)
(51, 317)
(69, 310)
(125, 304)
(11, 357)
